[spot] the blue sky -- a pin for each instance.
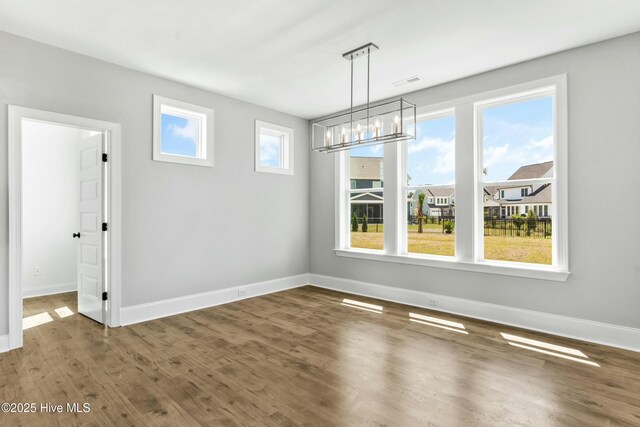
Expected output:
(179, 135)
(515, 135)
(369, 151)
(270, 151)
(431, 157)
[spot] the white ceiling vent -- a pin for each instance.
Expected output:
(407, 81)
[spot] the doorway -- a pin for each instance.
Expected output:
(64, 202)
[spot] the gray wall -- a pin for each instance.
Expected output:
(604, 174)
(186, 229)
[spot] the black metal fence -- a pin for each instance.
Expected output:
(432, 219)
(536, 227)
(370, 220)
(540, 228)
(374, 224)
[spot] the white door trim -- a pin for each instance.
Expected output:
(16, 115)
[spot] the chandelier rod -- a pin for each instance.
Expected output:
(368, 74)
(351, 110)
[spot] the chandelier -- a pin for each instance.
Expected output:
(371, 125)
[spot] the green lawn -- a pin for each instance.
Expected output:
(433, 242)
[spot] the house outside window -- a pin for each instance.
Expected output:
(532, 175)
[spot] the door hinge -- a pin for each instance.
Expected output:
(105, 156)
(105, 296)
(105, 227)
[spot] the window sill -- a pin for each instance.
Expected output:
(278, 171)
(518, 270)
(185, 160)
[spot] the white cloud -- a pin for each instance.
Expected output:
(444, 160)
(496, 155)
(376, 149)
(186, 131)
(502, 161)
(269, 150)
(544, 143)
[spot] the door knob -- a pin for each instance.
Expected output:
(76, 235)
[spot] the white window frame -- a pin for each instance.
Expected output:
(204, 137)
(286, 147)
(469, 192)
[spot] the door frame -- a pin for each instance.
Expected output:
(113, 196)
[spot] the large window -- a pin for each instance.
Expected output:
(517, 146)
(182, 132)
(482, 188)
(430, 180)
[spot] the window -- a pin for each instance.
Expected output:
(475, 160)
(517, 145)
(274, 148)
(430, 170)
(182, 132)
(366, 198)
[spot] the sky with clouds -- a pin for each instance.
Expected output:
(270, 151)
(515, 135)
(431, 157)
(178, 135)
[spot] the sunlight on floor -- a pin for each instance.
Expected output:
(36, 320)
(438, 323)
(63, 312)
(362, 305)
(436, 320)
(545, 348)
(543, 344)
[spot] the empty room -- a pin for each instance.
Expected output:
(319, 213)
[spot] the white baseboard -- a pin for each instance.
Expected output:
(4, 343)
(570, 327)
(169, 307)
(31, 292)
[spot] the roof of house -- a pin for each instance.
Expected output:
(374, 197)
(542, 195)
(537, 170)
(490, 189)
(441, 191)
(366, 168)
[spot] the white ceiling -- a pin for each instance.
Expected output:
(286, 54)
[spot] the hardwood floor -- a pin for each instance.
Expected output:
(306, 357)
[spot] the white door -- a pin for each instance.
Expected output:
(90, 261)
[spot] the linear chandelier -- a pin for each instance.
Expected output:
(371, 125)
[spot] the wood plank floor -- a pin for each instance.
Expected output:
(306, 357)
